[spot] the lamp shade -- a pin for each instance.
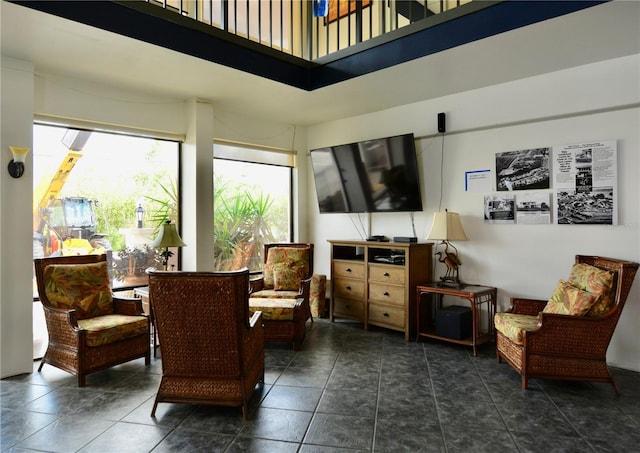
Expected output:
(19, 153)
(168, 236)
(446, 226)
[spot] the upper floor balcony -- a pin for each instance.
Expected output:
(312, 29)
(309, 44)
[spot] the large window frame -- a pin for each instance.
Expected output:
(69, 170)
(245, 221)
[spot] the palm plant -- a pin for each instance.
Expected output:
(240, 218)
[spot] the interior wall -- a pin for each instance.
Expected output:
(594, 102)
(16, 267)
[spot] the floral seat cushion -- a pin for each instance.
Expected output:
(274, 309)
(107, 329)
(275, 294)
(513, 326)
(83, 287)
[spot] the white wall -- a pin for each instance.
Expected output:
(16, 195)
(594, 102)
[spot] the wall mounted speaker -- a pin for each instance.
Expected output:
(442, 122)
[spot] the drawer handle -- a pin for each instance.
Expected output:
(349, 288)
(385, 314)
(385, 293)
(348, 269)
(386, 274)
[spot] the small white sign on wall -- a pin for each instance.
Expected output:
(477, 181)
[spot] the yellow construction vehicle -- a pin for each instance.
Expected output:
(67, 225)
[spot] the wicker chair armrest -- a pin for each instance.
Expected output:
(256, 284)
(255, 318)
(305, 288)
(63, 315)
(572, 335)
(253, 339)
(526, 306)
(128, 306)
(62, 325)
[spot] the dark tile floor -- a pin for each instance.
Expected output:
(347, 391)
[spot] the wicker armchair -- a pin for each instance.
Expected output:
(539, 343)
(212, 352)
(89, 328)
(288, 268)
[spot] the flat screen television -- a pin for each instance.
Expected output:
(379, 175)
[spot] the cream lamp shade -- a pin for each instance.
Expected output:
(167, 237)
(16, 166)
(446, 226)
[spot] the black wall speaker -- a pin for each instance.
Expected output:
(442, 122)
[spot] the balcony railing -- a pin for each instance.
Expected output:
(290, 26)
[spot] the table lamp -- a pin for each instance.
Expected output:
(447, 227)
(167, 237)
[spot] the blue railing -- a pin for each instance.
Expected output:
(295, 26)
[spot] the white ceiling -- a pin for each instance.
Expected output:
(66, 48)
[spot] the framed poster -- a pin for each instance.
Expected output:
(585, 178)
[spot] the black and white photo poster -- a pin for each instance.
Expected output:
(585, 178)
(522, 170)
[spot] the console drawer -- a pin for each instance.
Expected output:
(386, 274)
(350, 269)
(390, 294)
(387, 316)
(348, 287)
(349, 308)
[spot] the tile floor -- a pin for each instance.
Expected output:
(347, 391)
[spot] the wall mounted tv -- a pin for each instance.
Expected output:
(379, 175)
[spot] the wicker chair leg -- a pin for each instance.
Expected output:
(245, 411)
(615, 386)
(82, 380)
(525, 382)
(41, 365)
(155, 406)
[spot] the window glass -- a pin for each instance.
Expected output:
(252, 206)
(87, 188)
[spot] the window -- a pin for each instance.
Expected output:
(252, 203)
(87, 188)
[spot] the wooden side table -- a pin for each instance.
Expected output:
(482, 299)
(143, 294)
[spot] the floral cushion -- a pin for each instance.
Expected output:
(317, 294)
(83, 287)
(273, 309)
(286, 279)
(513, 326)
(293, 258)
(596, 281)
(107, 329)
(273, 294)
(569, 300)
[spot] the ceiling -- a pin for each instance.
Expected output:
(64, 48)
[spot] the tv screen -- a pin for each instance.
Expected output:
(379, 175)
